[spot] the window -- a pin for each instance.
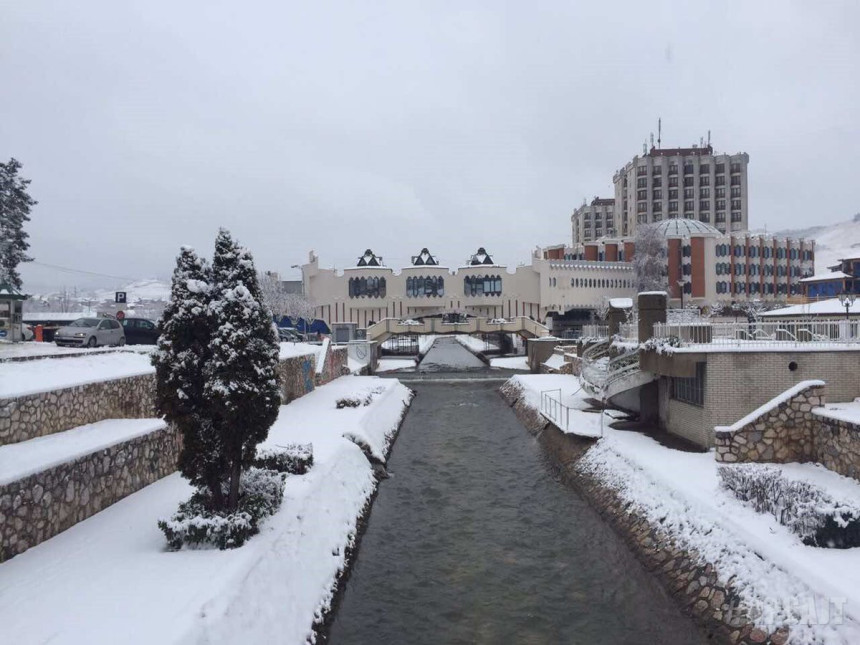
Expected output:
(721, 204)
(720, 217)
(736, 167)
(703, 204)
(689, 193)
(736, 191)
(673, 181)
(657, 181)
(736, 181)
(673, 194)
(487, 285)
(688, 169)
(690, 390)
(641, 194)
(673, 169)
(736, 217)
(720, 192)
(641, 207)
(721, 168)
(367, 287)
(656, 170)
(689, 181)
(657, 206)
(704, 169)
(419, 287)
(641, 170)
(673, 207)
(642, 182)
(704, 192)
(720, 180)
(705, 181)
(736, 204)
(689, 205)
(705, 217)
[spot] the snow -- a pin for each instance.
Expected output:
(830, 307)
(475, 344)
(18, 460)
(156, 290)
(54, 316)
(354, 366)
(833, 275)
(392, 364)
(290, 350)
(322, 356)
(554, 362)
(32, 348)
(567, 390)
(511, 363)
(621, 303)
(43, 375)
(109, 578)
(772, 569)
(849, 412)
(770, 405)
(832, 242)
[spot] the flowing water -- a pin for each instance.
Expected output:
(474, 539)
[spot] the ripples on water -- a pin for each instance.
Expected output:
(475, 540)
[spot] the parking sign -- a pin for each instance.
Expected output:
(120, 297)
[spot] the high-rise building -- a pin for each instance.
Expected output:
(592, 221)
(689, 183)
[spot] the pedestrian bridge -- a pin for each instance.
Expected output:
(522, 325)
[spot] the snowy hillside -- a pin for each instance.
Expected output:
(832, 242)
(138, 290)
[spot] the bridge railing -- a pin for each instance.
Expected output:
(552, 408)
(788, 333)
(389, 326)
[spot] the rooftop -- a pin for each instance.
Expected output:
(686, 228)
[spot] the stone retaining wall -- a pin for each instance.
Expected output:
(690, 580)
(794, 431)
(36, 415)
(38, 507)
(780, 435)
(837, 445)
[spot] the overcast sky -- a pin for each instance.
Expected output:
(392, 126)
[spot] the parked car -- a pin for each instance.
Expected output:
(140, 331)
(91, 332)
(289, 334)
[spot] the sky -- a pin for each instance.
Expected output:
(342, 126)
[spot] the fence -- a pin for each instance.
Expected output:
(752, 334)
(558, 413)
(595, 331)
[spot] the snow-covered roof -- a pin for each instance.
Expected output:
(830, 307)
(621, 303)
(833, 275)
(55, 316)
(481, 257)
(686, 228)
(770, 405)
(424, 259)
(370, 259)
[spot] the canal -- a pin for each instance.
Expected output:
(475, 539)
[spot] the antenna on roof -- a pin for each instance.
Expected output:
(709, 138)
(644, 147)
(652, 139)
(701, 142)
(659, 131)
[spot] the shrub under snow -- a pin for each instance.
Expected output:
(293, 459)
(807, 510)
(261, 492)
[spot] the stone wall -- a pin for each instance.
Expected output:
(38, 507)
(335, 364)
(837, 444)
(297, 376)
(685, 574)
(36, 415)
(782, 434)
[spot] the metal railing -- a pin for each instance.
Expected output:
(558, 413)
(794, 333)
(629, 331)
(595, 331)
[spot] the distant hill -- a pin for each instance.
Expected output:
(832, 242)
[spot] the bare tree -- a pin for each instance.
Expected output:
(601, 310)
(301, 306)
(275, 295)
(649, 259)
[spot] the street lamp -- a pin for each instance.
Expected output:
(847, 301)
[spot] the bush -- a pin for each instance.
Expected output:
(292, 459)
(347, 402)
(807, 511)
(196, 524)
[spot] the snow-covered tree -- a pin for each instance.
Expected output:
(183, 351)
(649, 259)
(275, 294)
(15, 205)
(241, 376)
(302, 306)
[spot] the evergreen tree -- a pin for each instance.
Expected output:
(241, 376)
(183, 350)
(15, 204)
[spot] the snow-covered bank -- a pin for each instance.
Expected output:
(814, 591)
(393, 364)
(43, 375)
(511, 363)
(109, 579)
